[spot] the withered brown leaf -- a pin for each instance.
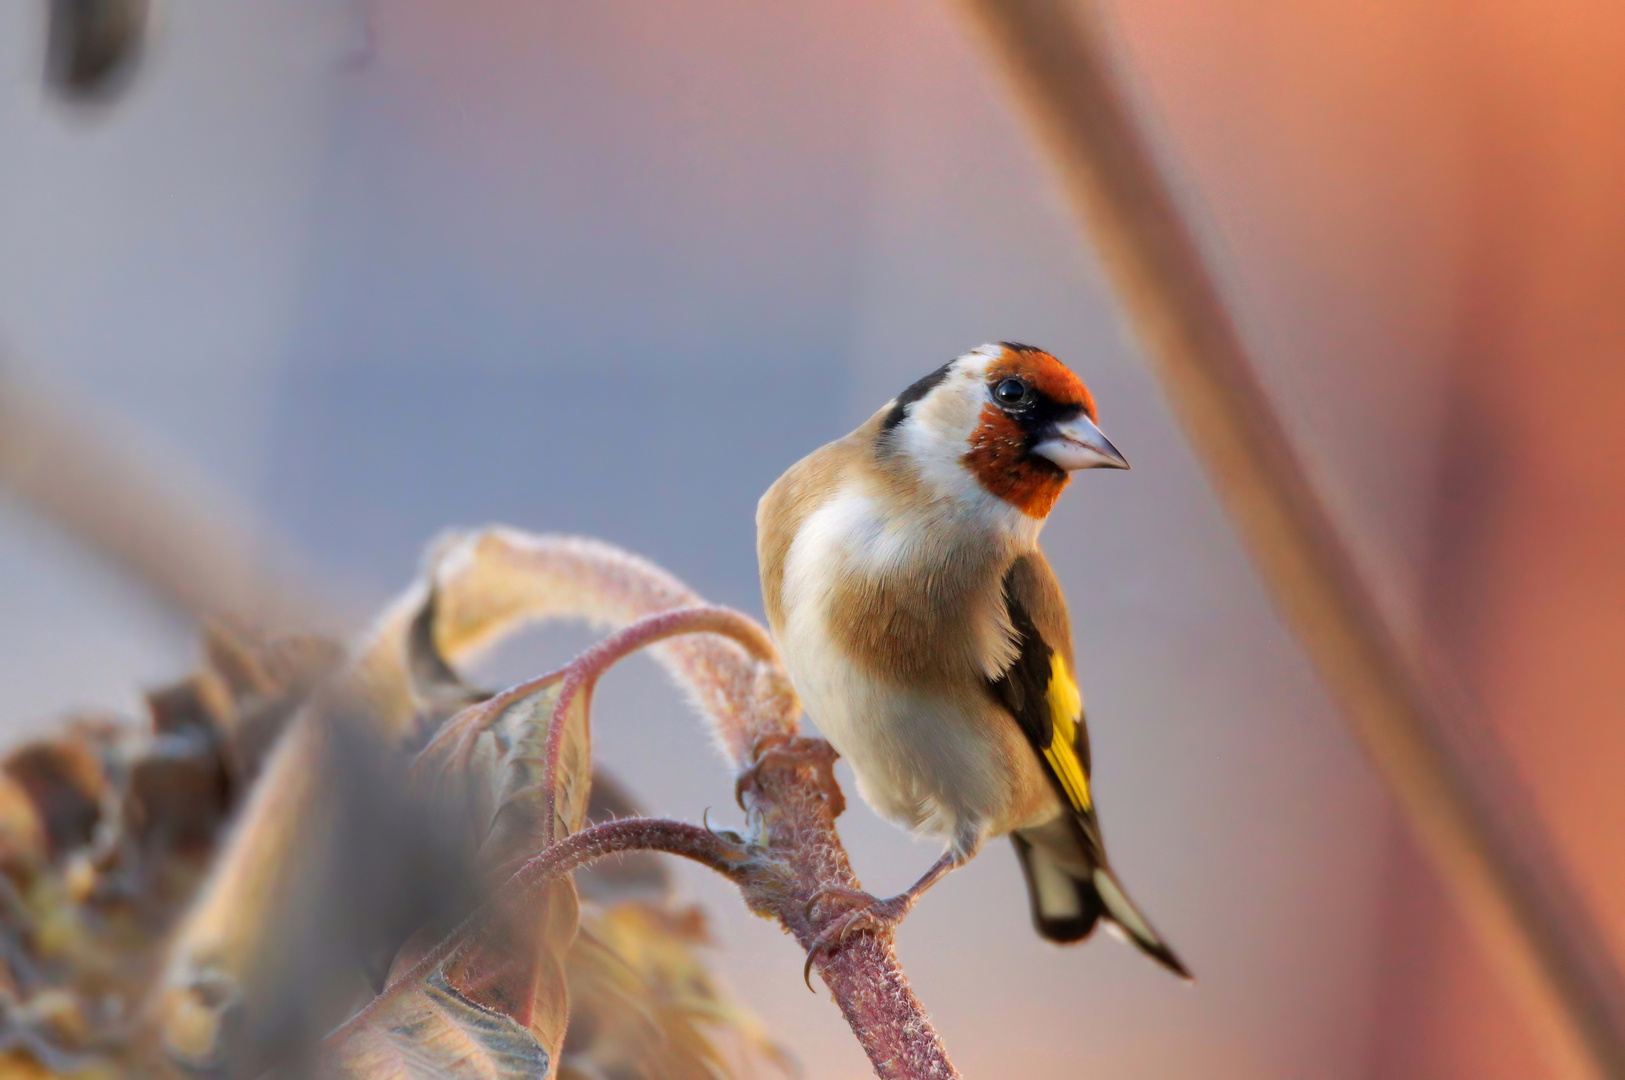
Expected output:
(438, 1034)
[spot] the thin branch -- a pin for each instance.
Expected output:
(1514, 889)
(453, 745)
(787, 787)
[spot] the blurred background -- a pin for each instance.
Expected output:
(371, 268)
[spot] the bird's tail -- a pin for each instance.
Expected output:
(1067, 906)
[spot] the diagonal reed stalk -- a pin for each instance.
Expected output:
(1452, 786)
(195, 558)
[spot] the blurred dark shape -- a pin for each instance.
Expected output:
(94, 47)
(389, 861)
(338, 897)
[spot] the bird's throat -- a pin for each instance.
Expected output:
(999, 459)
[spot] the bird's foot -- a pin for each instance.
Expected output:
(865, 912)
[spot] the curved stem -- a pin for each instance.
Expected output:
(787, 787)
(583, 673)
(699, 619)
(464, 728)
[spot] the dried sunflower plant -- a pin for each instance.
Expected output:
(315, 860)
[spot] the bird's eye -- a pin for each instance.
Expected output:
(1012, 392)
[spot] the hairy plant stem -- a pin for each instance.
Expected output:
(791, 799)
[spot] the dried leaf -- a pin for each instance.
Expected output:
(438, 1034)
(544, 781)
(67, 784)
(518, 824)
(229, 930)
(642, 1004)
(106, 830)
(546, 784)
(647, 1007)
(567, 767)
(22, 828)
(539, 774)
(332, 867)
(490, 582)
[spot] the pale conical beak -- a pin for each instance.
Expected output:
(1078, 444)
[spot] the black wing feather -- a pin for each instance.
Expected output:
(1024, 686)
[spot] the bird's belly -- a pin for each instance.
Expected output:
(947, 764)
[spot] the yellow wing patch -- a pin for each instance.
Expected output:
(1065, 706)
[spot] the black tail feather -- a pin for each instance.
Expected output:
(1063, 920)
(1066, 908)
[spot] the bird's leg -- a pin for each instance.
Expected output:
(871, 912)
(903, 901)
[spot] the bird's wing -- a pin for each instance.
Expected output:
(1040, 688)
(1041, 691)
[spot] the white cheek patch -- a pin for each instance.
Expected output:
(954, 406)
(936, 433)
(935, 437)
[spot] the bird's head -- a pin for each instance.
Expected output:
(1005, 419)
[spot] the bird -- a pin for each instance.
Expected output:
(928, 638)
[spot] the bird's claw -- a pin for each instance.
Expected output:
(857, 897)
(814, 753)
(868, 912)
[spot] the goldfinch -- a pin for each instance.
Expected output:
(928, 637)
